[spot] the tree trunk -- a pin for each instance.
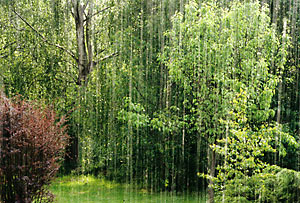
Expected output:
(83, 63)
(211, 169)
(84, 60)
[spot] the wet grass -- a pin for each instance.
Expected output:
(83, 189)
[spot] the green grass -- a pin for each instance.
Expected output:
(90, 189)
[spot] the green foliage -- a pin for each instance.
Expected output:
(168, 121)
(243, 150)
(215, 52)
(135, 114)
(222, 58)
(273, 184)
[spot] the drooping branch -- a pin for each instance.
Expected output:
(45, 39)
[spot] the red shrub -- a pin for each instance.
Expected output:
(32, 143)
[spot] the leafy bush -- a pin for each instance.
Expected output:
(274, 184)
(32, 143)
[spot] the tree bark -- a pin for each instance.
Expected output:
(83, 63)
(211, 168)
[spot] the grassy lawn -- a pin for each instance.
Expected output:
(90, 189)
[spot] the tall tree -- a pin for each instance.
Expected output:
(213, 56)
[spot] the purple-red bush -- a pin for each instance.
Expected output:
(32, 145)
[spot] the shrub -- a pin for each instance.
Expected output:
(274, 184)
(32, 143)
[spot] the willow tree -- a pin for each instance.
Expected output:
(216, 53)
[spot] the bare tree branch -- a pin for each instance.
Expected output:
(71, 10)
(46, 40)
(99, 52)
(7, 45)
(85, 15)
(90, 16)
(106, 57)
(87, 3)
